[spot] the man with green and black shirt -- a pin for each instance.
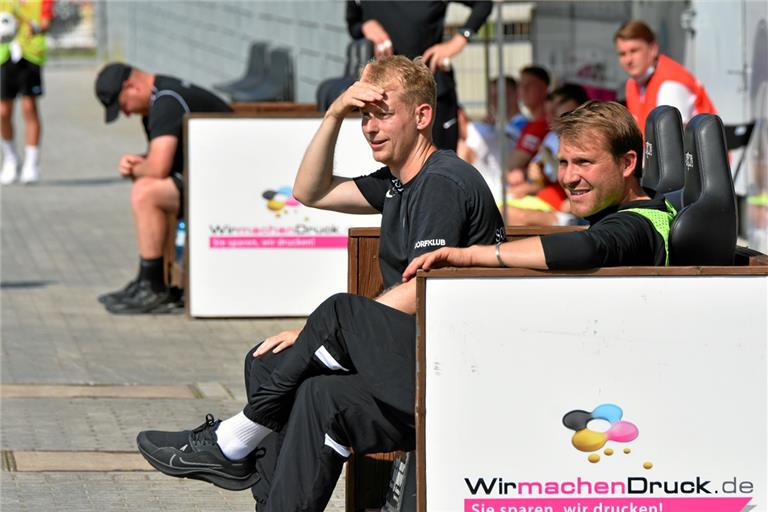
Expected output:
(599, 166)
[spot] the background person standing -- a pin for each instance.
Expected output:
(654, 78)
(21, 61)
(416, 29)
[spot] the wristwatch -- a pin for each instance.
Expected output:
(466, 33)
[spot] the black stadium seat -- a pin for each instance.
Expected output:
(663, 159)
(255, 71)
(705, 229)
(277, 84)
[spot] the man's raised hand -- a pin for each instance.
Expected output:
(358, 95)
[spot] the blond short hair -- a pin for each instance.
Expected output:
(612, 121)
(414, 76)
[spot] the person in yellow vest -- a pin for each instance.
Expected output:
(600, 167)
(654, 78)
(21, 60)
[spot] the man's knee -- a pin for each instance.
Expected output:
(149, 193)
(29, 107)
(258, 369)
(141, 194)
(6, 109)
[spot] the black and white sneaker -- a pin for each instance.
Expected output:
(144, 299)
(195, 454)
(118, 295)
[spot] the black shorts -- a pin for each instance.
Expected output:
(21, 77)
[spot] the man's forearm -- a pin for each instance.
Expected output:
(315, 174)
(147, 169)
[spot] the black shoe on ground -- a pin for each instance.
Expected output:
(143, 300)
(118, 295)
(195, 454)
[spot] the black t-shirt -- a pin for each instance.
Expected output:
(615, 238)
(447, 203)
(413, 26)
(171, 99)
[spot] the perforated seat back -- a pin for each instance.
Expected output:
(704, 231)
(663, 159)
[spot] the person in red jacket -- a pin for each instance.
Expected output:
(654, 78)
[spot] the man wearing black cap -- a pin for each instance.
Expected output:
(157, 189)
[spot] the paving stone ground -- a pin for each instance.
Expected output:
(64, 241)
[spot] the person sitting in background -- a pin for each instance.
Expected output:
(162, 101)
(481, 145)
(654, 78)
(534, 83)
(541, 201)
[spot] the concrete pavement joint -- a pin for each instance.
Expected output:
(96, 391)
(40, 461)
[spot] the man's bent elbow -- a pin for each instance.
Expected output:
(304, 198)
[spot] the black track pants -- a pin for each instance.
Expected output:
(445, 130)
(347, 383)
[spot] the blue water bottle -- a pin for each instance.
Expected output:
(181, 231)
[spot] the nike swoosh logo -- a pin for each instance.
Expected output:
(389, 194)
(449, 123)
(194, 464)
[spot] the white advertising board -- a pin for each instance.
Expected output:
(674, 366)
(253, 250)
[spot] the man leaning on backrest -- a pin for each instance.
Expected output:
(157, 178)
(654, 78)
(599, 166)
(347, 382)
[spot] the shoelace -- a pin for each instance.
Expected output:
(205, 434)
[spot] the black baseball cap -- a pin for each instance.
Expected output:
(109, 83)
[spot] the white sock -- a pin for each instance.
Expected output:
(9, 151)
(31, 155)
(238, 436)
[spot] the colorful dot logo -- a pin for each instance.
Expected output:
(280, 199)
(587, 440)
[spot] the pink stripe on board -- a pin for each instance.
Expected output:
(607, 504)
(277, 242)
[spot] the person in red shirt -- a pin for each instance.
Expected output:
(532, 90)
(654, 78)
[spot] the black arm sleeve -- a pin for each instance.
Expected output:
(165, 118)
(374, 186)
(354, 19)
(624, 238)
(437, 217)
(479, 14)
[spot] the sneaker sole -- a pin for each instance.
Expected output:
(163, 308)
(216, 478)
